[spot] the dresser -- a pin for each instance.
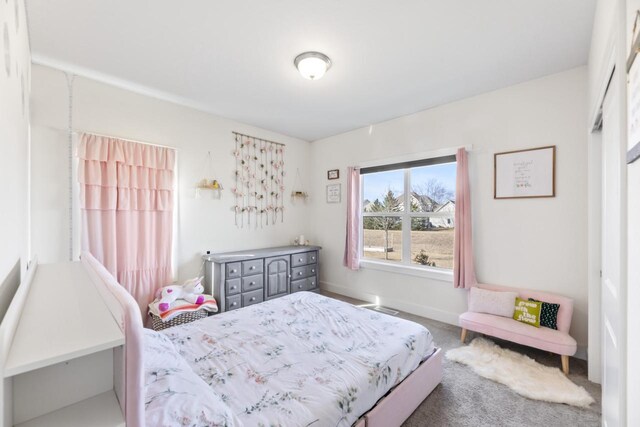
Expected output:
(243, 278)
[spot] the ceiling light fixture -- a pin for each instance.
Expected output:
(312, 65)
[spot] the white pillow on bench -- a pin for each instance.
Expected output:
(492, 302)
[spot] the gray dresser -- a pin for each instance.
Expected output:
(243, 278)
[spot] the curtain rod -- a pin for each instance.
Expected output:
(259, 139)
(439, 152)
(125, 139)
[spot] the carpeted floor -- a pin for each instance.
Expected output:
(466, 399)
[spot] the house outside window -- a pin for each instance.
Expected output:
(408, 213)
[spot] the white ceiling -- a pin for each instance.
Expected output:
(234, 58)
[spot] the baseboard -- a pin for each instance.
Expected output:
(419, 310)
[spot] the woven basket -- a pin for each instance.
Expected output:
(180, 319)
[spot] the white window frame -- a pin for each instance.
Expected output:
(405, 266)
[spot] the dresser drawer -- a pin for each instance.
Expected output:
(298, 285)
(232, 286)
(234, 302)
(308, 284)
(298, 273)
(312, 283)
(304, 258)
(312, 257)
(298, 259)
(304, 271)
(253, 297)
(233, 270)
(251, 283)
(251, 267)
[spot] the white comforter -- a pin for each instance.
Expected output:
(300, 360)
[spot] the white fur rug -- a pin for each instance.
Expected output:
(520, 373)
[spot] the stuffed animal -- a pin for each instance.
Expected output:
(190, 291)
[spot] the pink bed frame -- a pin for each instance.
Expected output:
(390, 411)
(400, 402)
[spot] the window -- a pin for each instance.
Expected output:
(408, 212)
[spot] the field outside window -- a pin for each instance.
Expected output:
(408, 215)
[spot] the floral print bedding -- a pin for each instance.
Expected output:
(299, 360)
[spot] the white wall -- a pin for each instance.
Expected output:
(14, 137)
(529, 243)
(14, 162)
(204, 224)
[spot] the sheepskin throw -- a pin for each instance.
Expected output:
(520, 373)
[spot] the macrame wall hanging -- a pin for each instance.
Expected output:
(259, 181)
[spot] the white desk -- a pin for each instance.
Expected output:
(65, 330)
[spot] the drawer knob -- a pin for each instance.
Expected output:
(233, 304)
(253, 267)
(252, 299)
(313, 270)
(313, 283)
(299, 273)
(233, 287)
(252, 283)
(299, 286)
(234, 271)
(299, 259)
(313, 258)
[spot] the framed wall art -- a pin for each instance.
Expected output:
(333, 193)
(333, 174)
(525, 173)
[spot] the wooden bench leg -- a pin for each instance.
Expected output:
(565, 364)
(463, 335)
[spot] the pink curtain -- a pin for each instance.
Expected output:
(126, 198)
(352, 247)
(464, 274)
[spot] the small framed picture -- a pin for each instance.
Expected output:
(333, 193)
(333, 174)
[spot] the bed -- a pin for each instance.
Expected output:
(300, 360)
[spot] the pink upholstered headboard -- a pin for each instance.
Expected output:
(126, 312)
(566, 304)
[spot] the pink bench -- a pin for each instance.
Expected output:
(556, 341)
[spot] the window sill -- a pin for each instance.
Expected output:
(431, 273)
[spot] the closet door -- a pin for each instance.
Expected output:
(277, 275)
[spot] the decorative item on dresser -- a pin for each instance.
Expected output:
(243, 278)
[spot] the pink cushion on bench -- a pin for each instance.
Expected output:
(511, 330)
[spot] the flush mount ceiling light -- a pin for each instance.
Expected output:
(312, 65)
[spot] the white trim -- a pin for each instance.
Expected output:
(176, 219)
(440, 274)
(76, 229)
(606, 74)
(413, 156)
